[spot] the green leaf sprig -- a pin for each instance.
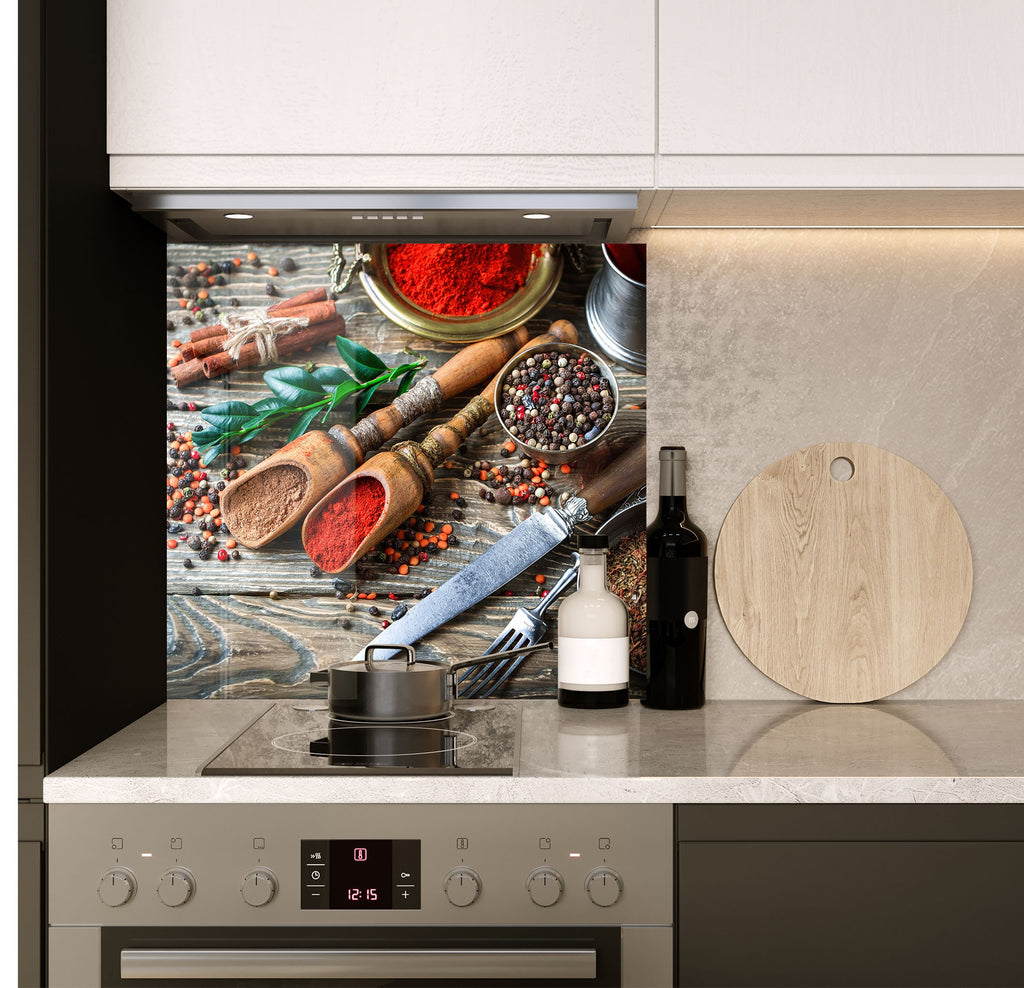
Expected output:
(303, 391)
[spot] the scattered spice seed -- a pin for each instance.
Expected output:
(539, 578)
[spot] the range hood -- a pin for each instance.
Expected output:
(368, 216)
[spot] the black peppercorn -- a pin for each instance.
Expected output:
(236, 554)
(288, 264)
(399, 612)
(315, 572)
(456, 514)
(374, 611)
(271, 290)
(187, 563)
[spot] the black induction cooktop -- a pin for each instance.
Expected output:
(300, 738)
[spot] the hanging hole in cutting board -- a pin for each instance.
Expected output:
(841, 468)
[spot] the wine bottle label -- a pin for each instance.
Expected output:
(593, 663)
(677, 590)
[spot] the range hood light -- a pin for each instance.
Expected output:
(536, 216)
(238, 216)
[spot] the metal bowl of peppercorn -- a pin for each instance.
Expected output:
(556, 401)
(460, 293)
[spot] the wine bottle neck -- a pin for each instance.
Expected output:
(672, 482)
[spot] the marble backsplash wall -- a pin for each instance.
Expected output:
(912, 340)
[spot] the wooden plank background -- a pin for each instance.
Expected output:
(232, 638)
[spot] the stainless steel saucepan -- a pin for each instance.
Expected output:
(398, 689)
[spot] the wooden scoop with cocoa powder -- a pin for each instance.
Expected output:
(374, 500)
(278, 493)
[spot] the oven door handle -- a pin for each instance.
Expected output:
(440, 965)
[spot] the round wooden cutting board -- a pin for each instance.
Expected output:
(843, 590)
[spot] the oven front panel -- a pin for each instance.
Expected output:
(241, 865)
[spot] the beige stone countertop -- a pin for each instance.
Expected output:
(758, 751)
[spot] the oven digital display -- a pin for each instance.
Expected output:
(360, 874)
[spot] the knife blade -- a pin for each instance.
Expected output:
(517, 550)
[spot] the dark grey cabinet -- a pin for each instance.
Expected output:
(826, 896)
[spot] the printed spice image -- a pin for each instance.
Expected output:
(627, 577)
(460, 279)
(327, 469)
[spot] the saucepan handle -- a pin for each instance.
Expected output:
(485, 659)
(410, 655)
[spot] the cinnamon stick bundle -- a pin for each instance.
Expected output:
(316, 312)
(287, 345)
(305, 298)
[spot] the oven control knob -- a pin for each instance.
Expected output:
(176, 887)
(116, 887)
(462, 886)
(604, 886)
(259, 886)
(545, 886)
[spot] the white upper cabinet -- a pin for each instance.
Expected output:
(405, 77)
(866, 77)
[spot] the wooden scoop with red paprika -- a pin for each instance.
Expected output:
(373, 501)
(278, 493)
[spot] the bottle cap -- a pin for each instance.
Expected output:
(672, 453)
(592, 541)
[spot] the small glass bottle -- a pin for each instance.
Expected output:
(677, 595)
(593, 636)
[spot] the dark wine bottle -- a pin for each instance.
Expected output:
(677, 595)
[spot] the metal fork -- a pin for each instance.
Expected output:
(526, 627)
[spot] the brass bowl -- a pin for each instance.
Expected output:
(556, 456)
(540, 285)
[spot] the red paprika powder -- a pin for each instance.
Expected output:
(336, 532)
(460, 279)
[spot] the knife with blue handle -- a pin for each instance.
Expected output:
(518, 550)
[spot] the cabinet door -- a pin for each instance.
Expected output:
(862, 77)
(318, 77)
(928, 914)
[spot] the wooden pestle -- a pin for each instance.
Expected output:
(326, 458)
(407, 472)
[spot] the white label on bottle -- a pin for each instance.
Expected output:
(592, 664)
(691, 619)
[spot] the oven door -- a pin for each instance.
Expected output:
(477, 956)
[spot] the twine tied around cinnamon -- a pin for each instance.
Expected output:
(255, 326)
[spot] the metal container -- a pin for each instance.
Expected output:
(540, 285)
(397, 690)
(547, 455)
(616, 308)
